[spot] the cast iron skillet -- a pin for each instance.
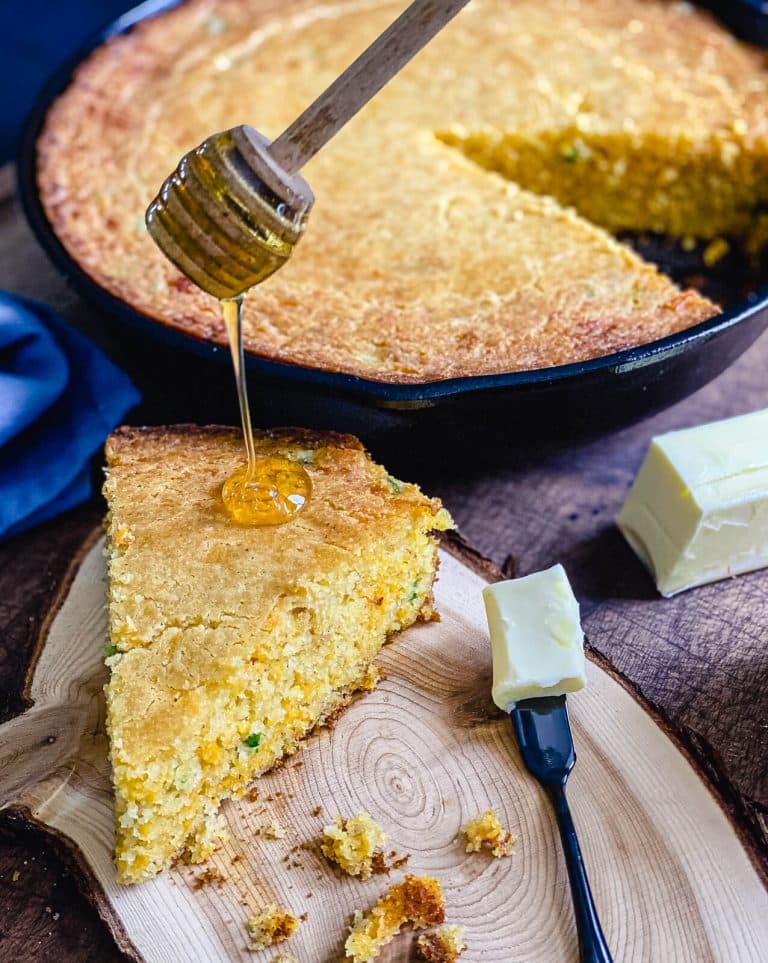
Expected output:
(608, 390)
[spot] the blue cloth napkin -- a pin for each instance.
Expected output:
(60, 396)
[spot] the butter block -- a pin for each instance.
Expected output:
(698, 509)
(536, 637)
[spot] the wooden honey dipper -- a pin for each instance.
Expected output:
(235, 207)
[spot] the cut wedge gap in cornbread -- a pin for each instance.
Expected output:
(669, 184)
(229, 644)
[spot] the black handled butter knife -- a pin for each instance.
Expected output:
(546, 744)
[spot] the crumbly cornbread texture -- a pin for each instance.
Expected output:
(420, 261)
(228, 644)
(486, 832)
(272, 926)
(418, 900)
(274, 830)
(444, 945)
(353, 843)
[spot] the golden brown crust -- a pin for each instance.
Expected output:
(431, 948)
(445, 270)
(127, 435)
(422, 901)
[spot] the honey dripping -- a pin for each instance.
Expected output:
(267, 490)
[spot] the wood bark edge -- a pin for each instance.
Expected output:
(58, 598)
(87, 883)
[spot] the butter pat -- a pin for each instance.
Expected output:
(698, 510)
(536, 637)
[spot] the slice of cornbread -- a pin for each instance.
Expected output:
(228, 644)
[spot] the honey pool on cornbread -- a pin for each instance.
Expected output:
(422, 264)
(266, 490)
(228, 644)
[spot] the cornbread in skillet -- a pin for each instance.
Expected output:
(229, 644)
(421, 261)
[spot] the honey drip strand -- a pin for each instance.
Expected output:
(267, 490)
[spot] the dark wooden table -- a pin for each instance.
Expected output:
(701, 659)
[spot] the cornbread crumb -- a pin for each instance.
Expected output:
(640, 130)
(285, 958)
(354, 843)
(212, 831)
(272, 926)
(274, 831)
(379, 865)
(444, 945)
(486, 832)
(417, 900)
(209, 876)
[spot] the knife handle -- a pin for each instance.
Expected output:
(592, 945)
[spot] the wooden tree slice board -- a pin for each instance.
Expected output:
(423, 753)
